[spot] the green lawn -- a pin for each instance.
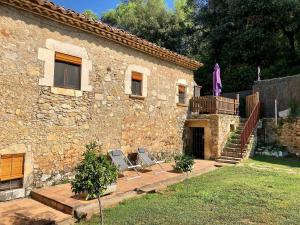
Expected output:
(260, 191)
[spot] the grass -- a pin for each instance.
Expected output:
(244, 194)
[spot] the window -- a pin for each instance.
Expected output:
(11, 171)
(67, 72)
(136, 83)
(181, 94)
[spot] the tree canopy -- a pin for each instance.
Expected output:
(238, 34)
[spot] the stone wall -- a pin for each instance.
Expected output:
(284, 89)
(287, 133)
(53, 125)
(216, 131)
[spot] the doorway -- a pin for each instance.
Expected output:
(198, 142)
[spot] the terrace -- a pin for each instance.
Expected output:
(214, 105)
(67, 205)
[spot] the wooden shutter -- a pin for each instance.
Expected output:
(11, 167)
(137, 76)
(67, 58)
(181, 88)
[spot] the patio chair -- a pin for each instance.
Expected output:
(122, 162)
(148, 160)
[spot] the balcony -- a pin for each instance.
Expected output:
(214, 105)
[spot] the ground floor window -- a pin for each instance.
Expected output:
(11, 171)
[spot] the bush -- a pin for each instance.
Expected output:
(295, 108)
(184, 163)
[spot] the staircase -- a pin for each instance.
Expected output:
(232, 151)
(236, 147)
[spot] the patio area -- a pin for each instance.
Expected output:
(60, 197)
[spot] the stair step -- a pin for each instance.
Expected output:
(233, 145)
(229, 161)
(230, 149)
(235, 141)
(231, 154)
(231, 158)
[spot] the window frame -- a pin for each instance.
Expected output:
(180, 92)
(68, 60)
(137, 77)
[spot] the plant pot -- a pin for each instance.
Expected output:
(110, 189)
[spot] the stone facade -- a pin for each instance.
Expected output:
(52, 125)
(217, 128)
(287, 133)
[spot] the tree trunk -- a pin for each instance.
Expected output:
(100, 210)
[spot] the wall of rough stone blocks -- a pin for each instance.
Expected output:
(284, 89)
(54, 128)
(287, 133)
(216, 131)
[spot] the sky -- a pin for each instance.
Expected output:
(98, 6)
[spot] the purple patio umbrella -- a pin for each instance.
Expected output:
(217, 84)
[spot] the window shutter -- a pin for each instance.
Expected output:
(67, 58)
(181, 88)
(137, 76)
(11, 167)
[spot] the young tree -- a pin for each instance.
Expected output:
(93, 175)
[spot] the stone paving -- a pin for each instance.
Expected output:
(30, 212)
(62, 198)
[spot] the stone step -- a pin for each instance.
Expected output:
(233, 145)
(231, 149)
(229, 160)
(231, 154)
(235, 141)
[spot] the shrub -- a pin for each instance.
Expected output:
(93, 175)
(184, 163)
(295, 108)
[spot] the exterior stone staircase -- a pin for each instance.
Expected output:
(232, 150)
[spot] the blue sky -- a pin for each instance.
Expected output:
(98, 6)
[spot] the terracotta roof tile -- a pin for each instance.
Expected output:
(69, 17)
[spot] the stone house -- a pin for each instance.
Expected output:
(66, 80)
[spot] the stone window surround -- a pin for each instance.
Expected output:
(128, 77)
(28, 169)
(181, 82)
(48, 56)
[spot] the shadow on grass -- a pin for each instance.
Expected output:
(290, 161)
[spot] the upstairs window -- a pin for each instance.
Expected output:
(182, 94)
(136, 83)
(67, 72)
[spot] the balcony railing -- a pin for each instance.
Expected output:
(214, 105)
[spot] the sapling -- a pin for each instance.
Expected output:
(93, 175)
